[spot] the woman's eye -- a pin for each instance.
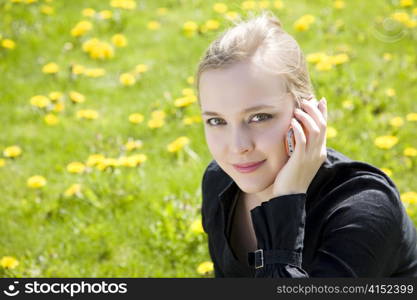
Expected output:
(210, 123)
(257, 118)
(264, 116)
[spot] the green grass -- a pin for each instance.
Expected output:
(135, 222)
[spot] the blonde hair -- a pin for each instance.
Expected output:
(263, 41)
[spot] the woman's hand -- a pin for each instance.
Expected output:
(310, 151)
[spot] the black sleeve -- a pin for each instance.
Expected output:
(217, 271)
(359, 235)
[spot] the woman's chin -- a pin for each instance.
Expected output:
(252, 187)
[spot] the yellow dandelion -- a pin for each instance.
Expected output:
(8, 44)
(55, 96)
(158, 114)
(190, 79)
(187, 121)
(153, 25)
(141, 68)
(406, 3)
(135, 160)
(205, 267)
(94, 159)
(263, 4)
(304, 22)
(187, 91)
(190, 28)
(185, 101)
(133, 144)
(339, 4)
(409, 198)
(197, 227)
(77, 69)
(212, 24)
(124, 4)
(156, 123)
(88, 114)
(160, 11)
(47, 10)
(401, 17)
(410, 151)
(9, 262)
(58, 107)
(387, 56)
(339, 59)
(278, 4)
(139, 157)
(98, 49)
(88, 12)
(127, 79)
(110, 162)
(51, 119)
(231, 15)
(412, 117)
(40, 101)
(76, 167)
(95, 72)
(136, 118)
(348, 104)
(36, 181)
(50, 68)
(178, 144)
(397, 122)
(76, 97)
(74, 189)
(385, 142)
(105, 14)
(2, 162)
(119, 40)
(390, 92)
(248, 5)
(81, 28)
(220, 7)
(331, 132)
(387, 171)
(316, 57)
(197, 118)
(411, 23)
(12, 151)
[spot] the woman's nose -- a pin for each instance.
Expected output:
(240, 142)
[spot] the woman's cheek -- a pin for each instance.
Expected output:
(213, 142)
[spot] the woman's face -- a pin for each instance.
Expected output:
(236, 135)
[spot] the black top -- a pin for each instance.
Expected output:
(350, 223)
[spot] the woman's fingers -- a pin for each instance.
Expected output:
(323, 108)
(300, 138)
(315, 112)
(308, 122)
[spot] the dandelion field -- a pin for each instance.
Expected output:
(102, 145)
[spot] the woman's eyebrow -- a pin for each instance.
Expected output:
(246, 110)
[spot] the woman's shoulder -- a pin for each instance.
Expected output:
(342, 181)
(355, 187)
(339, 169)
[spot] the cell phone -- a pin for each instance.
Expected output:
(289, 140)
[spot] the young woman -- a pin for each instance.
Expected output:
(272, 212)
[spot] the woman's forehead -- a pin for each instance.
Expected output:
(242, 83)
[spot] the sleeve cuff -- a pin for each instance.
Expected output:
(279, 223)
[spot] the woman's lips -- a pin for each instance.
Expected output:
(248, 168)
